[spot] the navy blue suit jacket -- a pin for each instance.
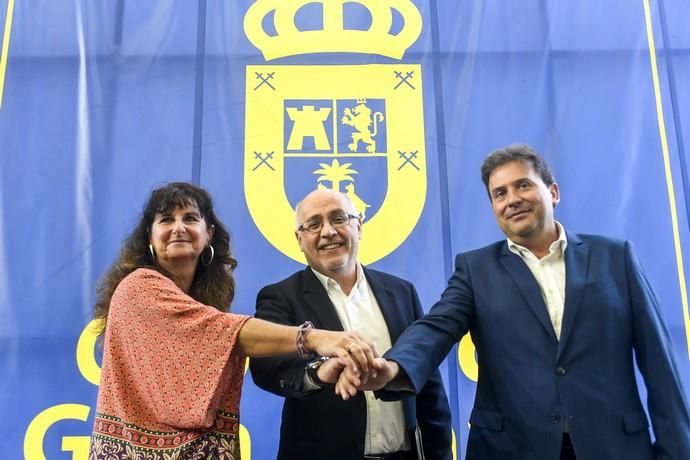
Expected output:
(530, 382)
(320, 425)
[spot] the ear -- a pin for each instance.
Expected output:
(555, 194)
(359, 226)
(298, 237)
(211, 231)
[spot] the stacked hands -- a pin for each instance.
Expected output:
(354, 363)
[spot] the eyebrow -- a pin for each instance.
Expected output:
(188, 213)
(523, 180)
(515, 182)
(312, 217)
(331, 213)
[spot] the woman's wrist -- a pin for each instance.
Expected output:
(313, 340)
(302, 342)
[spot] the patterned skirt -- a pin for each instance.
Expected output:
(114, 439)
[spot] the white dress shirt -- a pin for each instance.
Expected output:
(360, 312)
(549, 271)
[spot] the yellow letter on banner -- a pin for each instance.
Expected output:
(33, 440)
(5, 46)
(467, 359)
(79, 445)
(245, 443)
(454, 445)
(86, 347)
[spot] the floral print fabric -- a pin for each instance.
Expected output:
(170, 383)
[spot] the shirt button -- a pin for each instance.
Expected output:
(555, 419)
(560, 371)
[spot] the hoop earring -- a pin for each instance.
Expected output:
(153, 254)
(206, 264)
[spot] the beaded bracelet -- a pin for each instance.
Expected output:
(301, 340)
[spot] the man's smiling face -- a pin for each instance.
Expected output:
(522, 203)
(330, 251)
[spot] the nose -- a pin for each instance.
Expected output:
(514, 198)
(179, 227)
(327, 230)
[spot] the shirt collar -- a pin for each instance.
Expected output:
(557, 246)
(328, 282)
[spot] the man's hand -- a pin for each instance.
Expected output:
(349, 383)
(356, 352)
(330, 370)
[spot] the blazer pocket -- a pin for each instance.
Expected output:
(486, 419)
(635, 421)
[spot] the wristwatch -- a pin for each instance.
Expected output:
(312, 370)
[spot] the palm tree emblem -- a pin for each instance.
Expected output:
(335, 173)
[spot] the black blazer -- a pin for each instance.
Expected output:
(319, 424)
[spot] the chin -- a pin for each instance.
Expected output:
(522, 229)
(336, 266)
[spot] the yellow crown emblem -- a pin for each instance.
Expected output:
(333, 38)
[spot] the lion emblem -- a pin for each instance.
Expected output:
(361, 119)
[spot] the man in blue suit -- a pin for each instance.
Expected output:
(336, 292)
(556, 319)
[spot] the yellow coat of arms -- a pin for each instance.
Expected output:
(357, 129)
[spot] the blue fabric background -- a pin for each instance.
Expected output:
(104, 100)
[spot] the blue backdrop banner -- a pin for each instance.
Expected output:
(394, 102)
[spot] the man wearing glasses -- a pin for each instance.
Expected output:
(335, 292)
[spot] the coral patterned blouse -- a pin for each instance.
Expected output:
(171, 382)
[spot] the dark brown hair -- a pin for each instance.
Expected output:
(516, 152)
(213, 284)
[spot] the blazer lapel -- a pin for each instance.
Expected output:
(528, 286)
(317, 300)
(388, 304)
(576, 271)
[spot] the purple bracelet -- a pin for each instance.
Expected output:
(301, 340)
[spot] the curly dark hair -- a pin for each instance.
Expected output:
(213, 284)
(516, 152)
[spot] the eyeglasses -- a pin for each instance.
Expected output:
(338, 220)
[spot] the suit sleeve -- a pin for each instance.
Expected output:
(667, 403)
(433, 412)
(283, 376)
(423, 345)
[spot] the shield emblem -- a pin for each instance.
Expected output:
(355, 129)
